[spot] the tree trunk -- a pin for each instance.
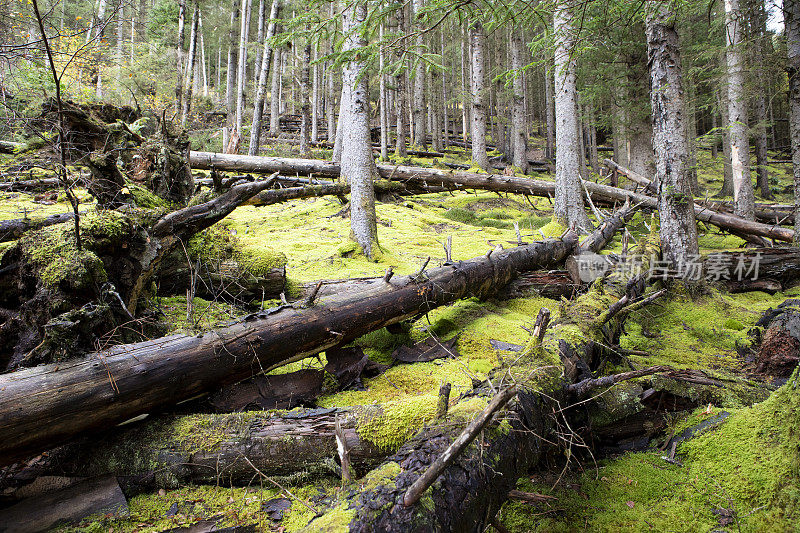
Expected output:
(261, 92)
(315, 92)
(241, 75)
(230, 75)
(383, 98)
(190, 78)
(743, 195)
(477, 39)
(125, 381)
(179, 54)
(677, 227)
(401, 98)
(262, 8)
(305, 100)
(758, 25)
(568, 202)
(275, 93)
(550, 112)
(419, 135)
(791, 10)
(519, 140)
(727, 169)
(358, 166)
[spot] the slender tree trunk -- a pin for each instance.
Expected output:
(230, 74)
(727, 171)
(478, 89)
(384, 99)
(275, 93)
(101, 25)
(715, 137)
(446, 115)
(305, 100)
(203, 65)
(677, 228)
(330, 97)
(464, 87)
(218, 81)
(241, 75)
(119, 55)
(791, 13)
(550, 112)
(179, 54)
(358, 166)
(520, 145)
(568, 202)
(743, 195)
(758, 22)
(263, 77)
(419, 135)
(315, 97)
(187, 101)
(262, 13)
(344, 98)
(401, 98)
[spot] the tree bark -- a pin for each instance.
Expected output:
(261, 92)
(419, 136)
(519, 138)
(358, 165)
(190, 77)
(179, 53)
(230, 76)
(305, 100)
(568, 202)
(727, 167)
(401, 96)
(791, 11)
(275, 92)
(383, 98)
(743, 195)
(241, 75)
(677, 227)
(477, 39)
(42, 407)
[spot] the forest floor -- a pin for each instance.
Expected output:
(742, 474)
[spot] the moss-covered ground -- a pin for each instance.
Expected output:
(747, 468)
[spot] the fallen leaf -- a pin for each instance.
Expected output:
(630, 504)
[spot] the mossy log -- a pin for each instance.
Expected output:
(44, 406)
(11, 230)
(11, 147)
(469, 180)
(471, 490)
(30, 185)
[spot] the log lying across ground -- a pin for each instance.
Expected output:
(467, 493)
(44, 406)
(469, 180)
(12, 229)
(30, 185)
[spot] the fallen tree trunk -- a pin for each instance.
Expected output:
(11, 147)
(470, 491)
(468, 180)
(43, 406)
(11, 230)
(736, 225)
(30, 185)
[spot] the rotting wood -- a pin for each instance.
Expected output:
(44, 406)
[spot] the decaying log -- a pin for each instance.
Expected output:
(782, 215)
(11, 230)
(43, 406)
(738, 226)
(470, 491)
(779, 349)
(467, 180)
(11, 147)
(93, 496)
(30, 185)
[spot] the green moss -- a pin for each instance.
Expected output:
(146, 199)
(398, 421)
(383, 475)
(749, 466)
(260, 261)
(553, 229)
(206, 315)
(336, 520)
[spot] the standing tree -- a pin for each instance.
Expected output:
(791, 14)
(519, 141)
(358, 166)
(743, 195)
(261, 93)
(419, 135)
(478, 81)
(568, 208)
(677, 228)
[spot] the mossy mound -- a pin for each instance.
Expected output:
(744, 474)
